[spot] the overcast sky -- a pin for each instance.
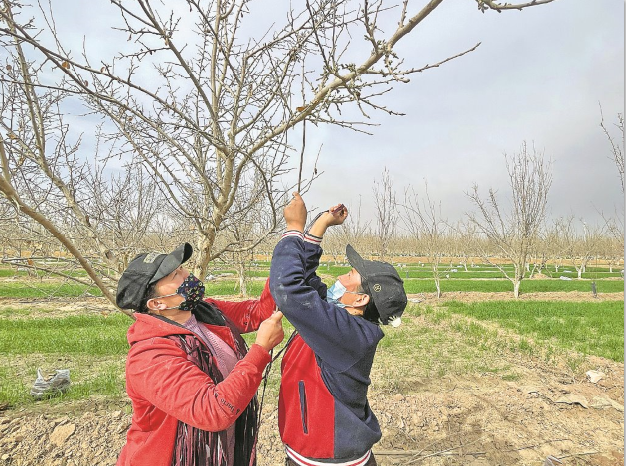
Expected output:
(539, 76)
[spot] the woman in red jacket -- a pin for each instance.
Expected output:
(189, 374)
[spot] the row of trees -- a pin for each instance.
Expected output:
(411, 225)
(563, 243)
(515, 231)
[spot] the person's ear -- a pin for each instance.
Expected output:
(361, 300)
(155, 305)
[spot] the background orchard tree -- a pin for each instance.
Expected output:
(465, 239)
(615, 223)
(423, 220)
(581, 242)
(612, 250)
(386, 213)
(247, 227)
(556, 234)
(353, 231)
(542, 252)
(513, 229)
(616, 145)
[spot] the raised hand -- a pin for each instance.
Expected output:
(295, 213)
(270, 331)
(338, 215)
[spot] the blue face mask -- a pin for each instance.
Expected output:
(334, 294)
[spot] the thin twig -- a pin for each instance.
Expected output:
(302, 154)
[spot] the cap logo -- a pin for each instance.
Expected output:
(150, 257)
(377, 287)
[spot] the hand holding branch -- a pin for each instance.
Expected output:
(295, 213)
(336, 215)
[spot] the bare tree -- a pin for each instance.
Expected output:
(615, 224)
(423, 220)
(616, 146)
(581, 242)
(542, 251)
(386, 213)
(465, 242)
(248, 222)
(202, 103)
(99, 218)
(514, 231)
(353, 231)
(612, 250)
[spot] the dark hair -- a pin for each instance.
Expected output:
(150, 293)
(370, 312)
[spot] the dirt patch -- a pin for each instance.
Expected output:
(477, 420)
(484, 420)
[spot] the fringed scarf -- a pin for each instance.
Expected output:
(197, 447)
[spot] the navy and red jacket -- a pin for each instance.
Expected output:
(323, 411)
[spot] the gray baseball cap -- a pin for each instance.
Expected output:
(146, 269)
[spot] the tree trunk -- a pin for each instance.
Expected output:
(516, 285)
(243, 289)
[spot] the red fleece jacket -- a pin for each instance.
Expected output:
(165, 387)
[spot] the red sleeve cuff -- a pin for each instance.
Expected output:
(309, 238)
(296, 233)
(258, 356)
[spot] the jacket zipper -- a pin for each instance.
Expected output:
(303, 407)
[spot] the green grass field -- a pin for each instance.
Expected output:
(94, 347)
(451, 338)
(591, 328)
(219, 288)
(417, 279)
(452, 274)
(38, 289)
(413, 286)
(527, 286)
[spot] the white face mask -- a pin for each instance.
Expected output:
(335, 292)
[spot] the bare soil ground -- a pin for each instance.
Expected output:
(477, 419)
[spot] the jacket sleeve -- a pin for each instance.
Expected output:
(336, 337)
(248, 315)
(158, 371)
(312, 254)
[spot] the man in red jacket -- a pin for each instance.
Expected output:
(189, 375)
(324, 417)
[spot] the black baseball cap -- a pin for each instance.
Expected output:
(381, 282)
(146, 269)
